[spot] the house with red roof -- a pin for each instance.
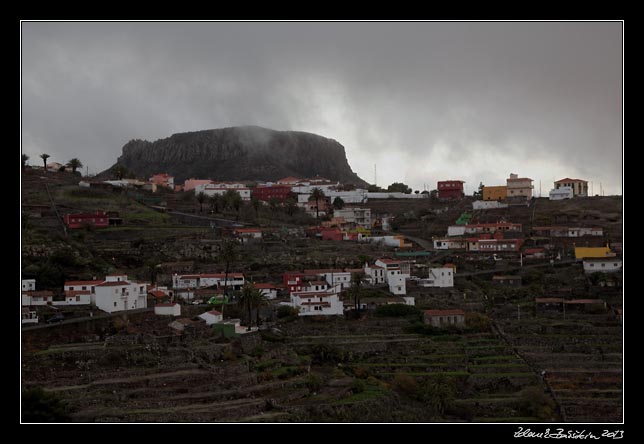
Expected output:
(116, 293)
(212, 317)
(163, 180)
(579, 187)
(311, 302)
(444, 318)
(269, 291)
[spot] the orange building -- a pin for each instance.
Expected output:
(495, 193)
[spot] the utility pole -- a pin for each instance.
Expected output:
(375, 176)
(539, 187)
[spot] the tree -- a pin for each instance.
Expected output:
(273, 203)
(356, 284)
(25, 158)
(228, 255)
(417, 192)
(120, 171)
(374, 189)
(215, 201)
(316, 195)
(433, 194)
(44, 157)
(479, 194)
(338, 203)
(201, 198)
(399, 187)
(74, 164)
(256, 203)
(232, 200)
(291, 206)
(40, 406)
(246, 301)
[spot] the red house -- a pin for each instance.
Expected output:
(450, 189)
(266, 193)
(79, 220)
(293, 280)
(331, 234)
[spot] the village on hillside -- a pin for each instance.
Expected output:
(491, 307)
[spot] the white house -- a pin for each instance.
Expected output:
(170, 309)
(337, 277)
(74, 286)
(397, 282)
(439, 277)
(359, 216)
(37, 298)
(235, 280)
(487, 204)
(444, 318)
(248, 234)
(561, 193)
(374, 274)
(80, 297)
(322, 302)
(456, 230)
(221, 189)
(450, 244)
(269, 291)
(211, 317)
(118, 294)
(396, 273)
(28, 285)
(602, 265)
(29, 316)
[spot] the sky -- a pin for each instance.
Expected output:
(412, 102)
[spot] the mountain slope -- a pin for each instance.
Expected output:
(240, 153)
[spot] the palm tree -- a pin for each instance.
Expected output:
(256, 204)
(215, 201)
(291, 205)
(228, 255)
(44, 157)
(201, 198)
(316, 195)
(74, 164)
(25, 158)
(356, 283)
(251, 298)
(259, 300)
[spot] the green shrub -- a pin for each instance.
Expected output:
(358, 386)
(39, 406)
(285, 311)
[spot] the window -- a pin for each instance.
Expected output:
(603, 265)
(115, 304)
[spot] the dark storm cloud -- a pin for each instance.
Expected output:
(423, 101)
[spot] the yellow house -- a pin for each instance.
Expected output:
(495, 193)
(582, 252)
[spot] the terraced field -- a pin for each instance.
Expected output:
(581, 361)
(338, 370)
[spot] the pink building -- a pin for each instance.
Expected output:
(192, 183)
(163, 179)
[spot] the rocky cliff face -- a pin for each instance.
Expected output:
(239, 153)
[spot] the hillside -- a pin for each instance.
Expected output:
(239, 153)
